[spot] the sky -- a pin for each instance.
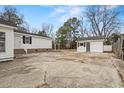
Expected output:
(36, 15)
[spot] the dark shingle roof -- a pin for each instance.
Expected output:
(91, 38)
(19, 31)
(6, 22)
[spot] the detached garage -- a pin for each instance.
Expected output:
(90, 44)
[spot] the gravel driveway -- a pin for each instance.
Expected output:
(66, 68)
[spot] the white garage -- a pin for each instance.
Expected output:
(90, 44)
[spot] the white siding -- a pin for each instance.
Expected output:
(9, 44)
(107, 48)
(37, 42)
(96, 46)
(17, 41)
(81, 48)
(41, 43)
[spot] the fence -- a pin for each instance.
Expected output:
(107, 48)
(118, 47)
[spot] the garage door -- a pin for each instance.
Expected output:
(96, 46)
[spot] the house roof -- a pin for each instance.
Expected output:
(15, 30)
(91, 38)
(6, 22)
(24, 32)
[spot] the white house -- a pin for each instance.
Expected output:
(90, 44)
(26, 42)
(6, 40)
(17, 42)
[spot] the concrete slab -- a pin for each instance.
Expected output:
(66, 68)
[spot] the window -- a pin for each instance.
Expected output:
(27, 40)
(2, 41)
(81, 44)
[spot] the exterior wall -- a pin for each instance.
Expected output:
(38, 42)
(107, 48)
(81, 48)
(19, 51)
(38, 50)
(17, 41)
(96, 46)
(9, 44)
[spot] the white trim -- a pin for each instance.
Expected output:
(6, 59)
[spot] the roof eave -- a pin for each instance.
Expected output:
(31, 34)
(91, 40)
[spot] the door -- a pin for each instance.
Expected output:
(17, 42)
(88, 47)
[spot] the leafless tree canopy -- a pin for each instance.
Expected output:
(83, 29)
(11, 14)
(48, 28)
(103, 21)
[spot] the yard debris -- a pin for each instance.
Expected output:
(44, 85)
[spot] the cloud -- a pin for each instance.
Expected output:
(62, 13)
(75, 10)
(58, 10)
(112, 6)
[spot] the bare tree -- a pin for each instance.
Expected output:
(24, 27)
(12, 15)
(48, 28)
(83, 28)
(103, 20)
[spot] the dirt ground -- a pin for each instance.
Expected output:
(65, 68)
